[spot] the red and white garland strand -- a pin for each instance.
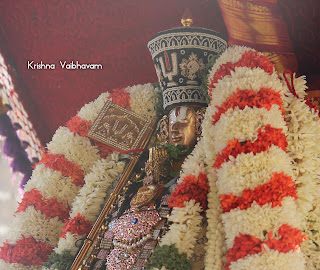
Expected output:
(253, 186)
(255, 181)
(72, 177)
(188, 201)
(303, 147)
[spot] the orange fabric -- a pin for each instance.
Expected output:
(257, 24)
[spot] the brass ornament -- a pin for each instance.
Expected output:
(163, 130)
(158, 169)
(186, 19)
(144, 195)
(158, 166)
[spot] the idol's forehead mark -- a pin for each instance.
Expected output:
(179, 113)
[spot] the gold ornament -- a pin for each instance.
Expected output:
(144, 195)
(158, 166)
(186, 19)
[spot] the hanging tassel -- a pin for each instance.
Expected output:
(293, 90)
(290, 85)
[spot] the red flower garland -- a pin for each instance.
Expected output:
(50, 208)
(191, 188)
(274, 191)
(27, 251)
(77, 225)
(66, 167)
(244, 245)
(265, 98)
(120, 97)
(250, 59)
(267, 136)
(79, 126)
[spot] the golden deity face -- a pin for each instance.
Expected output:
(182, 126)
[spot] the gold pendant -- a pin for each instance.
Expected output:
(144, 195)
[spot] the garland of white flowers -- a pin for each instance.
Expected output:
(186, 220)
(52, 186)
(249, 171)
(303, 147)
(302, 136)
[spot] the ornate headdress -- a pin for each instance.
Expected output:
(180, 55)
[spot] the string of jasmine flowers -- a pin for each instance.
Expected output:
(67, 189)
(255, 180)
(249, 103)
(303, 147)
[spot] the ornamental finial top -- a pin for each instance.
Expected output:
(186, 19)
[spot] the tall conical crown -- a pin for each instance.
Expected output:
(179, 55)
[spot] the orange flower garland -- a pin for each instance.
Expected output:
(50, 208)
(66, 167)
(244, 245)
(77, 225)
(250, 59)
(27, 251)
(267, 136)
(120, 97)
(265, 98)
(79, 126)
(191, 188)
(279, 187)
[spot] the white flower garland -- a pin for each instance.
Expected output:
(303, 147)
(245, 78)
(247, 171)
(74, 147)
(256, 170)
(142, 99)
(187, 220)
(257, 219)
(99, 174)
(215, 249)
(185, 228)
(90, 111)
(32, 222)
(244, 126)
(270, 260)
(91, 197)
(194, 163)
(235, 56)
(51, 184)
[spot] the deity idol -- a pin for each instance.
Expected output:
(140, 215)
